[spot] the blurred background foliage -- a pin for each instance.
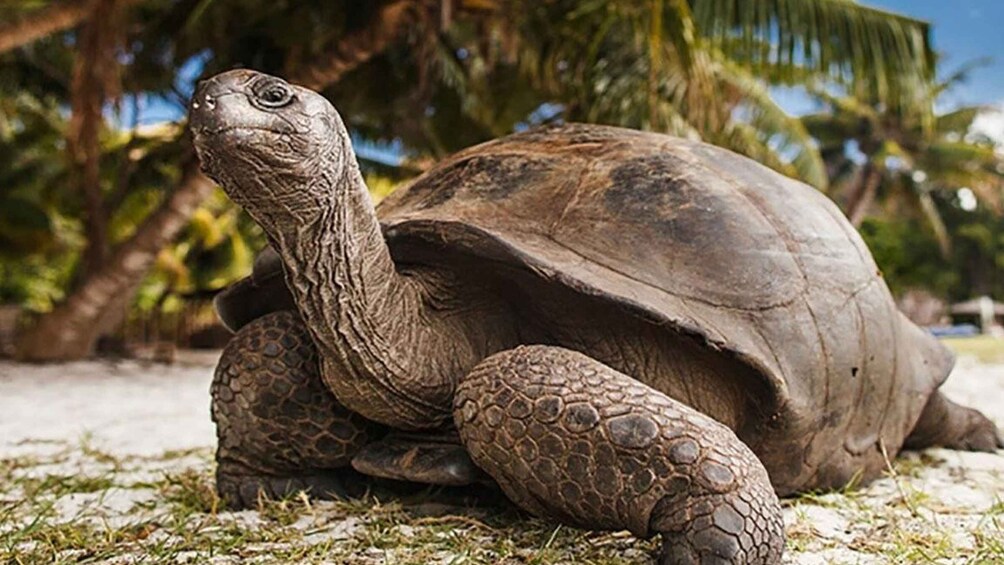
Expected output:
(103, 212)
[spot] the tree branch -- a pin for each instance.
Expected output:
(358, 47)
(54, 18)
(864, 196)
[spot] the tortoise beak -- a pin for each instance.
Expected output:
(205, 115)
(201, 117)
(224, 102)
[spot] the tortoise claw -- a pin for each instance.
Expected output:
(947, 424)
(418, 460)
(981, 434)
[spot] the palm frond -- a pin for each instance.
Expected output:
(960, 74)
(958, 121)
(785, 134)
(880, 53)
(744, 139)
(961, 155)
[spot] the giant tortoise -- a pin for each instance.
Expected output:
(622, 330)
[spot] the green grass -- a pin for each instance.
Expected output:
(987, 349)
(179, 519)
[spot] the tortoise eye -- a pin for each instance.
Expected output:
(273, 94)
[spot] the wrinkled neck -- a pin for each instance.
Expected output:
(366, 319)
(336, 253)
(340, 270)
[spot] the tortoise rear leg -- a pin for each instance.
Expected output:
(434, 458)
(944, 423)
(279, 429)
(570, 438)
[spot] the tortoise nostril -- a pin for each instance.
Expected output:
(204, 116)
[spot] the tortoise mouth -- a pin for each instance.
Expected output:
(228, 146)
(209, 132)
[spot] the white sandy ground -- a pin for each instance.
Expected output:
(132, 424)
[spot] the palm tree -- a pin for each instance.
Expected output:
(436, 74)
(692, 68)
(901, 155)
(96, 304)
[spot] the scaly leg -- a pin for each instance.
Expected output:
(570, 438)
(279, 428)
(944, 423)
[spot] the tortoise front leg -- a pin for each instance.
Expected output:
(280, 430)
(570, 438)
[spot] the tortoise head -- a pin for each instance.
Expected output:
(277, 149)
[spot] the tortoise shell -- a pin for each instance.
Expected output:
(702, 241)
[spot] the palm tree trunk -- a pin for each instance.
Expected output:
(863, 198)
(95, 79)
(71, 330)
(934, 219)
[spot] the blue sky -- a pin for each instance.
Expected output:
(964, 30)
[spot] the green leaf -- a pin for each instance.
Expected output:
(883, 54)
